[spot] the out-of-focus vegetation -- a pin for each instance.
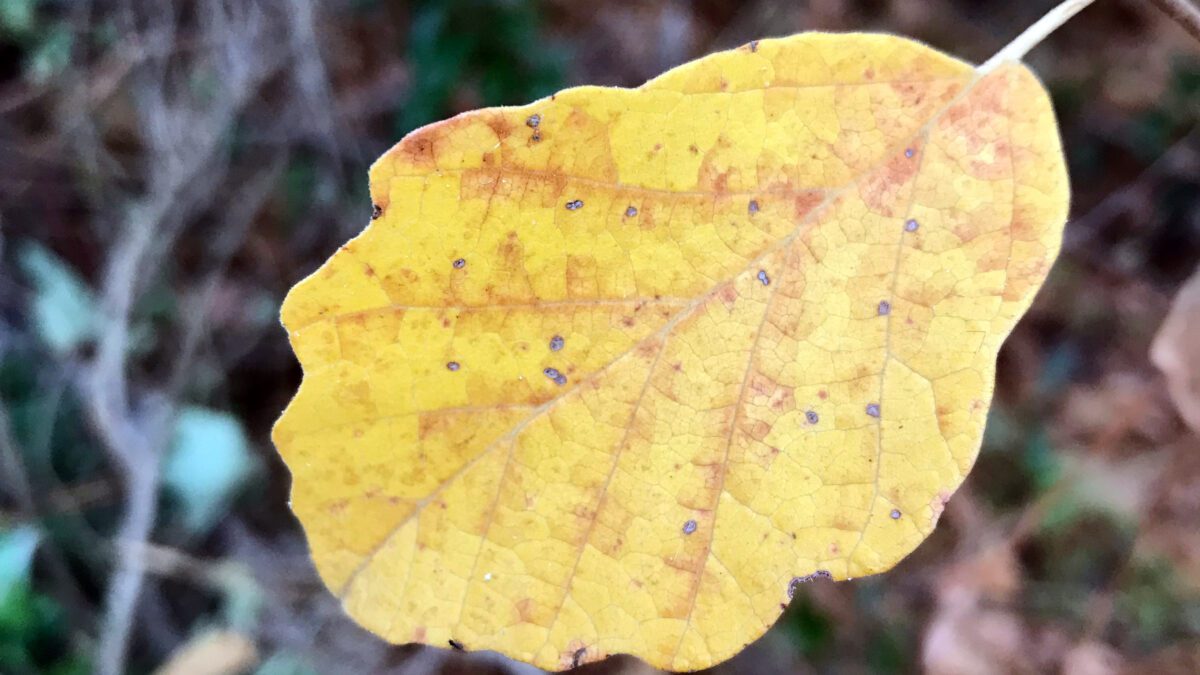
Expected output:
(170, 169)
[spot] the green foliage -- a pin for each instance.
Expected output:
(47, 42)
(1154, 130)
(490, 52)
(63, 308)
(809, 629)
(888, 652)
(1154, 608)
(32, 626)
(16, 557)
(208, 462)
(17, 16)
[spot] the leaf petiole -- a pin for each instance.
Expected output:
(1033, 36)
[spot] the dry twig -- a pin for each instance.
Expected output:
(184, 136)
(1183, 13)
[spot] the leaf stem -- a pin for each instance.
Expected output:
(1033, 36)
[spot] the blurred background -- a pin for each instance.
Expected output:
(169, 169)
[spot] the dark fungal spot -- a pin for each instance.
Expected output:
(794, 585)
(908, 152)
(535, 137)
(560, 380)
(753, 207)
(452, 366)
(460, 263)
(811, 416)
(556, 343)
(873, 409)
(458, 646)
(762, 276)
(533, 121)
(895, 514)
(631, 212)
(911, 225)
(552, 373)
(689, 527)
(885, 308)
(754, 46)
(376, 211)
(577, 657)
(575, 205)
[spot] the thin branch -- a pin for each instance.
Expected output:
(185, 145)
(126, 583)
(1183, 13)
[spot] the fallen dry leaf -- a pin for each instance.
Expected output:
(971, 631)
(1092, 658)
(614, 371)
(218, 652)
(1176, 351)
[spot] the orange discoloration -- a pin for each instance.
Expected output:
(500, 125)
(728, 296)
(525, 610)
(479, 184)
(581, 276)
(418, 151)
(757, 429)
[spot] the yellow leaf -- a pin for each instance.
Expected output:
(614, 371)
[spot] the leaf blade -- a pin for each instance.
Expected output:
(587, 511)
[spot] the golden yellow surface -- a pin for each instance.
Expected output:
(765, 371)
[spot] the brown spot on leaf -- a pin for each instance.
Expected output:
(582, 272)
(713, 179)
(500, 125)
(525, 609)
(418, 150)
(511, 253)
(805, 202)
(728, 295)
(756, 429)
